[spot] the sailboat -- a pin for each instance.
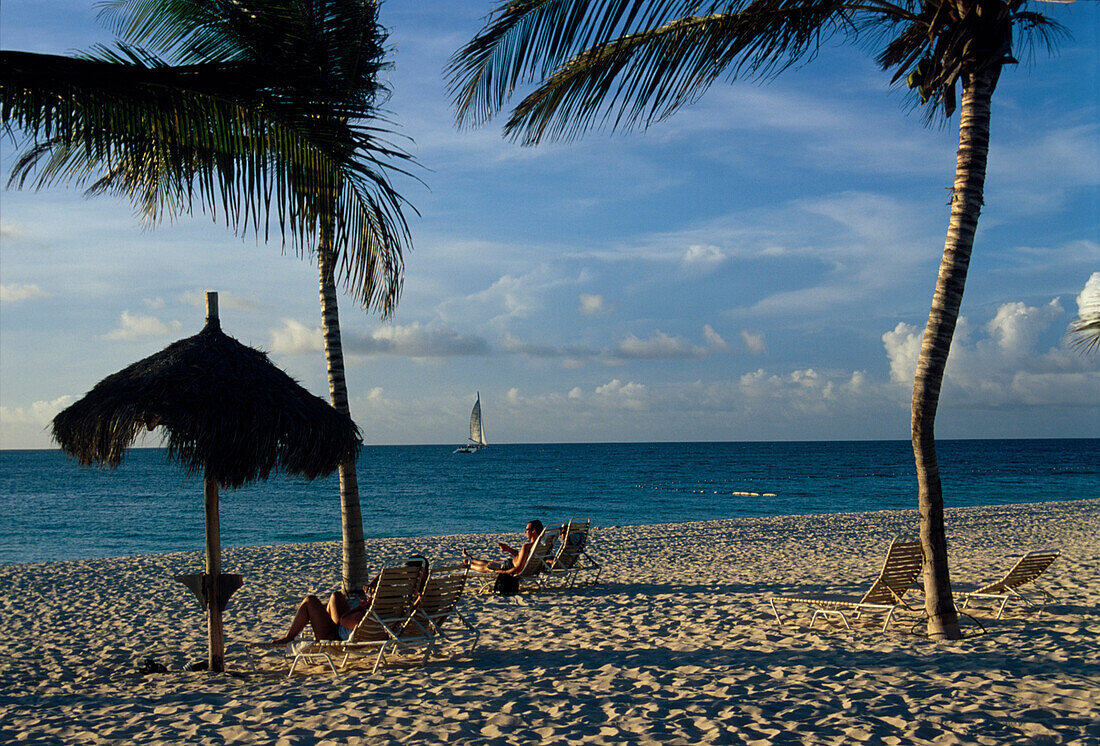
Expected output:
(477, 434)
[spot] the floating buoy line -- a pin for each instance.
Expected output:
(694, 491)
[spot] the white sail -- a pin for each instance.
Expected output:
(477, 434)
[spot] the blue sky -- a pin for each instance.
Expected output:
(757, 267)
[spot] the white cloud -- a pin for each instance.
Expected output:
(1088, 301)
(714, 339)
(411, 341)
(513, 396)
(902, 350)
(1001, 364)
(13, 293)
(38, 414)
(576, 393)
(592, 304)
(660, 346)
(704, 257)
(415, 341)
(629, 395)
(754, 341)
(295, 338)
(136, 326)
(1016, 327)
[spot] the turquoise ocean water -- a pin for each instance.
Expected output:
(53, 509)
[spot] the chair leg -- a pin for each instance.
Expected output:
(380, 659)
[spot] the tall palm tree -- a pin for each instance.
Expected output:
(267, 109)
(628, 63)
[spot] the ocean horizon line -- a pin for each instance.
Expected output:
(443, 444)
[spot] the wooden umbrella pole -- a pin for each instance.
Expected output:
(213, 571)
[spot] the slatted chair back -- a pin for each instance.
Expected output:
(572, 545)
(539, 558)
(392, 603)
(1029, 567)
(903, 563)
(441, 595)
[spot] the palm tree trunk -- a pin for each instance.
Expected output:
(966, 205)
(354, 561)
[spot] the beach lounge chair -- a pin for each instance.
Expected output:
(385, 626)
(535, 570)
(438, 603)
(903, 563)
(1024, 572)
(572, 558)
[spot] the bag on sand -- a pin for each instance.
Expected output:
(506, 585)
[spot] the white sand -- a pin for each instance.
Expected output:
(676, 645)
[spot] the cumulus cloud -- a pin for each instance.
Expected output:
(1002, 363)
(295, 338)
(808, 391)
(1088, 308)
(1089, 298)
(136, 326)
(629, 395)
(592, 305)
(1016, 327)
(754, 341)
(38, 414)
(902, 345)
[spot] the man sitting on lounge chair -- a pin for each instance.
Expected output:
(336, 620)
(514, 565)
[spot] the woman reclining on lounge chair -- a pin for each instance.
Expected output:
(337, 619)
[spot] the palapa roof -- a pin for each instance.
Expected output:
(225, 410)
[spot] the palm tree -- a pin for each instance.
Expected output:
(626, 64)
(274, 107)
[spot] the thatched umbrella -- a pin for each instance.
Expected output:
(226, 411)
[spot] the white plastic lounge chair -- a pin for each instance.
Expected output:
(903, 563)
(572, 558)
(1026, 569)
(438, 603)
(379, 631)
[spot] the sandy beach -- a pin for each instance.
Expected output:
(675, 645)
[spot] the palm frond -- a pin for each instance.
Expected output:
(266, 115)
(633, 69)
(322, 60)
(1084, 332)
(527, 40)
